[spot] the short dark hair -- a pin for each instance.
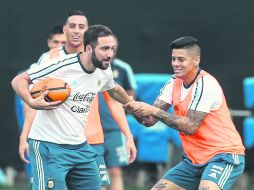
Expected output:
(75, 13)
(94, 32)
(186, 42)
(56, 29)
(183, 42)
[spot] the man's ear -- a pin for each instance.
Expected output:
(88, 49)
(64, 29)
(197, 61)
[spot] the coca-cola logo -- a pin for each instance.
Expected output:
(80, 97)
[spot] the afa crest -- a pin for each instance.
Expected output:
(99, 82)
(51, 183)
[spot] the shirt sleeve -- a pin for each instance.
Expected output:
(37, 71)
(166, 92)
(44, 57)
(34, 68)
(110, 81)
(207, 95)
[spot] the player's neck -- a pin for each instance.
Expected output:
(87, 63)
(70, 49)
(191, 77)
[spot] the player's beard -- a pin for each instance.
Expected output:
(96, 62)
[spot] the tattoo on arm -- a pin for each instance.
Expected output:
(161, 104)
(186, 124)
(205, 188)
(160, 186)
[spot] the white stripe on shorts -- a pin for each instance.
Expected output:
(225, 175)
(39, 165)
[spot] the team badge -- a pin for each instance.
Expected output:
(51, 183)
(99, 82)
(115, 74)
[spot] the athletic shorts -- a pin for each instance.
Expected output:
(60, 167)
(115, 154)
(223, 169)
(99, 148)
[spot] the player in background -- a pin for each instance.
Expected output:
(56, 37)
(115, 153)
(57, 134)
(75, 26)
(214, 153)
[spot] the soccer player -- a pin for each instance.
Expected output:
(214, 153)
(59, 153)
(56, 37)
(114, 143)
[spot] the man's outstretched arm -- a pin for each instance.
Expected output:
(119, 94)
(188, 124)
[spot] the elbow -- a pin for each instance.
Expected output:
(192, 130)
(189, 132)
(14, 81)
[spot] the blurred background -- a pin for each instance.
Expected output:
(145, 28)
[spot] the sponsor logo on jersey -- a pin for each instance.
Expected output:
(79, 109)
(80, 97)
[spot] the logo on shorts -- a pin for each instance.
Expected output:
(213, 175)
(121, 153)
(215, 170)
(51, 183)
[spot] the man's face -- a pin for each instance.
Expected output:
(74, 29)
(56, 41)
(103, 53)
(184, 63)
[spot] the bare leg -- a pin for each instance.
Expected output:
(208, 185)
(164, 184)
(115, 174)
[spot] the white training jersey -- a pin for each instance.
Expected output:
(45, 57)
(206, 94)
(65, 125)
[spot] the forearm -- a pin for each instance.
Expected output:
(188, 124)
(29, 115)
(131, 93)
(179, 123)
(20, 84)
(119, 94)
